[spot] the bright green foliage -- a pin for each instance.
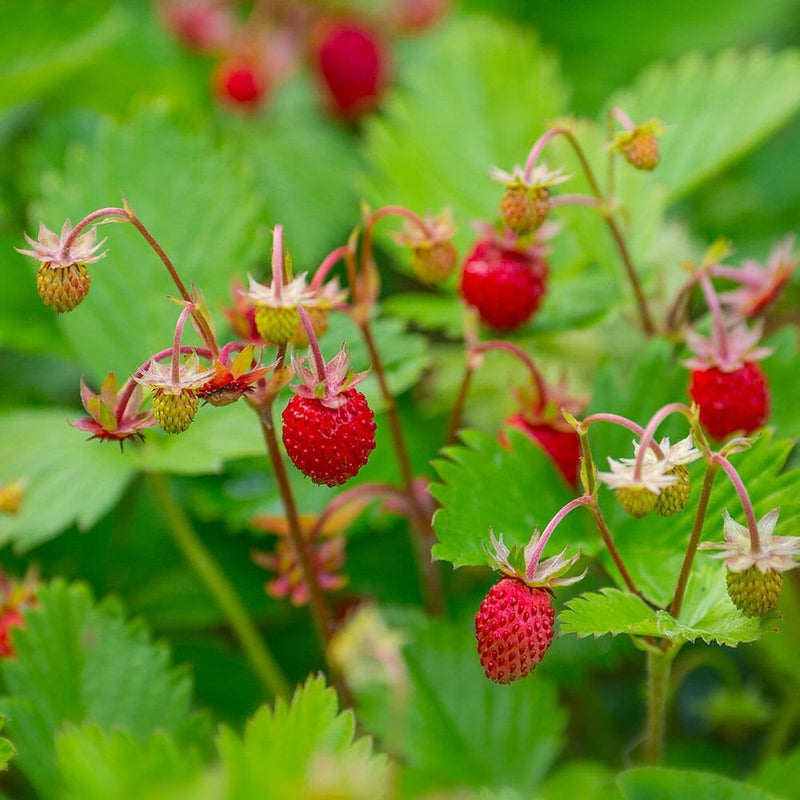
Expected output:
(608, 611)
(299, 748)
(513, 489)
(779, 775)
(158, 167)
(7, 750)
(67, 481)
(584, 779)
(456, 728)
(437, 139)
(653, 783)
(97, 765)
(720, 108)
(79, 661)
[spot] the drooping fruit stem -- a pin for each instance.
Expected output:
(608, 215)
(744, 499)
(313, 343)
(647, 440)
(221, 589)
(277, 261)
(583, 500)
(694, 539)
(328, 263)
(175, 364)
(516, 350)
(717, 321)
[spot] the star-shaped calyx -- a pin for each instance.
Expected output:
(326, 382)
(525, 563)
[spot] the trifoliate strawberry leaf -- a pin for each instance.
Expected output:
(652, 783)
(460, 729)
(96, 764)
(608, 611)
(210, 237)
(76, 661)
(66, 480)
(43, 43)
(302, 748)
(443, 129)
(512, 489)
(718, 108)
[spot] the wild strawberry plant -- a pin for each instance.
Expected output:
(477, 332)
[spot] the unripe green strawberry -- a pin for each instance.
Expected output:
(525, 208)
(277, 325)
(636, 500)
(754, 592)
(174, 412)
(674, 498)
(62, 288)
(641, 150)
(433, 262)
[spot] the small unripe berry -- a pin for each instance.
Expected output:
(277, 325)
(674, 498)
(636, 500)
(174, 412)
(641, 150)
(754, 592)
(525, 208)
(433, 263)
(62, 288)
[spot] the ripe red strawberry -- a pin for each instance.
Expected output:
(562, 445)
(328, 433)
(505, 284)
(514, 628)
(352, 66)
(240, 82)
(731, 401)
(514, 625)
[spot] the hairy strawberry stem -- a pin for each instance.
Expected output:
(694, 539)
(608, 216)
(221, 589)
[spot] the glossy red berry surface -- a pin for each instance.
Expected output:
(514, 628)
(240, 83)
(731, 402)
(506, 286)
(329, 445)
(563, 446)
(352, 65)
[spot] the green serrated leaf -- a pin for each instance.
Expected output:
(513, 489)
(441, 133)
(73, 659)
(68, 481)
(718, 107)
(126, 316)
(97, 764)
(584, 779)
(608, 611)
(461, 730)
(654, 783)
(299, 748)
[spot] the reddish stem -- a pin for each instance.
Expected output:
(647, 440)
(583, 500)
(515, 350)
(744, 499)
(313, 343)
(716, 314)
(328, 263)
(175, 373)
